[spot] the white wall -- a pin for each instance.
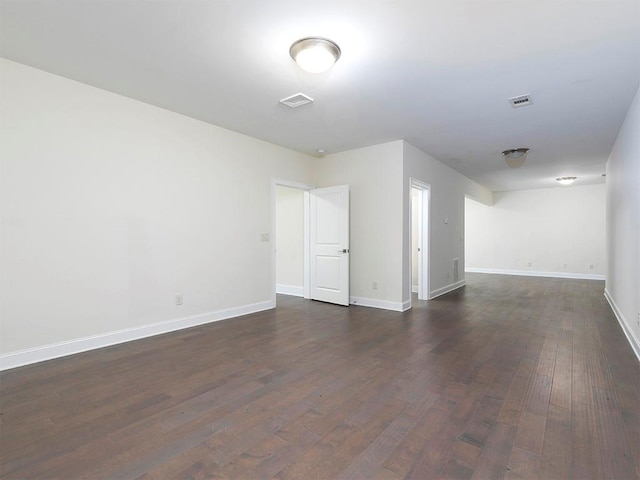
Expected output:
(111, 206)
(289, 240)
(374, 176)
(623, 232)
(557, 231)
(379, 178)
(446, 240)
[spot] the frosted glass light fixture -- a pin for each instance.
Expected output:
(315, 54)
(566, 180)
(515, 157)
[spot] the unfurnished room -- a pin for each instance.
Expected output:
(319, 240)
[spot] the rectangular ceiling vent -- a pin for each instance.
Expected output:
(521, 100)
(297, 100)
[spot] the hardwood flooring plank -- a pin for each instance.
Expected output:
(556, 452)
(561, 384)
(334, 452)
(523, 465)
(495, 455)
(403, 457)
(371, 459)
(617, 461)
(477, 430)
(530, 434)
(284, 456)
(514, 401)
(628, 400)
(585, 443)
(537, 401)
(580, 382)
(435, 452)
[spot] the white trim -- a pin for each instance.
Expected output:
(78, 345)
(290, 290)
(383, 304)
(628, 331)
(530, 273)
(414, 288)
(446, 289)
(288, 183)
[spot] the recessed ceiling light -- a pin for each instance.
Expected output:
(566, 180)
(515, 157)
(315, 54)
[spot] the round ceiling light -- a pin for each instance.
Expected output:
(566, 180)
(315, 54)
(515, 157)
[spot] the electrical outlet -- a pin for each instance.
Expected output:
(374, 285)
(565, 265)
(179, 299)
(591, 267)
(264, 237)
(529, 264)
(638, 319)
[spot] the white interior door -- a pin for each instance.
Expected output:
(329, 238)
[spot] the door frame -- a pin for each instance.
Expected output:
(275, 182)
(423, 237)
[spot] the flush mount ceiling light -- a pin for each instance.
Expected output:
(515, 157)
(315, 54)
(566, 180)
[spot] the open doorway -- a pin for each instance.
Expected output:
(290, 227)
(289, 241)
(310, 235)
(420, 198)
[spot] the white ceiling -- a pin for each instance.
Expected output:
(434, 72)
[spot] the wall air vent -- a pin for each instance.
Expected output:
(521, 101)
(297, 100)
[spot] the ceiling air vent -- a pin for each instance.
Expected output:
(521, 101)
(297, 100)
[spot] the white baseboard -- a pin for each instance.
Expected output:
(383, 304)
(626, 328)
(414, 288)
(446, 289)
(532, 273)
(78, 345)
(290, 290)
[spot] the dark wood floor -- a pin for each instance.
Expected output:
(509, 377)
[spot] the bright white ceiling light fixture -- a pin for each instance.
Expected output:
(515, 157)
(566, 180)
(315, 54)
